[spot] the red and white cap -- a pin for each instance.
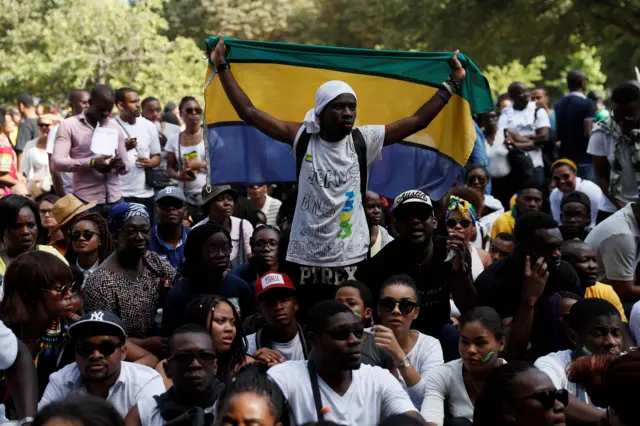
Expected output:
(271, 281)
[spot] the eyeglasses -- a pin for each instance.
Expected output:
(548, 398)
(131, 232)
(105, 348)
(165, 205)
(344, 334)
(388, 304)
(452, 223)
(192, 111)
(65, 290)
(187, 357)
(260, 245)
(86, 234)
(215, 250)
(45, 212)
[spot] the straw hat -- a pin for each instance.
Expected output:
(67, 208)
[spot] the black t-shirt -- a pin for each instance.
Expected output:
(373, 355)
(500, 285)
(432, 279)
(27, 131)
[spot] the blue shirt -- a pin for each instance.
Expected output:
(173, 255)
(571, 112)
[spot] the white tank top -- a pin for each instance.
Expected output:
(476, 263)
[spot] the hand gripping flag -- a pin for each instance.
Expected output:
(281, 79)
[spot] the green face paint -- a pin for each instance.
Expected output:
(357, 313)
(488, 357)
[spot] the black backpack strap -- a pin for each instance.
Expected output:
(301, 151)
(316, 391)
(262, 341)
(361, 151)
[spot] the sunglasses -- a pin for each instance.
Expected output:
(165, 205)
(480, 179)
(187, 357)
(105, 348)
(548, 398)
(452, 223)
(65, 290)
(344, 334)
(192, 111)
(406, 217)
(86, 234)
(565, 176)
(388, 304)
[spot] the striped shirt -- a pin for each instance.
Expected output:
(270, 209)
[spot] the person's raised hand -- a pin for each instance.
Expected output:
(535, 280)
(219, 54)
(455, 242)
(385, 339)
(269, 357)
(458, 73)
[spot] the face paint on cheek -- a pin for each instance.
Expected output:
(488, 357)
(357, 313)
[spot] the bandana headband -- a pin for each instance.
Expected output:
(461, 205)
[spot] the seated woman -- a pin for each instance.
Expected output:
(91, 243)
(414, 354)
(458, 383)
(264, 247)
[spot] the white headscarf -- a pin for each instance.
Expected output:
(325, 94)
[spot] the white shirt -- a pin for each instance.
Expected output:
(270, 209)
(8, 347)
(134, 383)
(150, 414)
(133, 184)
(374, 394)
(497, 154)
(291, 351)
(425, 355)
(634, 322)
(329, 227)
(555, 366)
(602, 145)
(525, 123)
(183, 154)
(65, 177)
(247, 231)
(588, 188)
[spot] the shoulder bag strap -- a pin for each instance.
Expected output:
(316, 391)
(360, 146)
(179, 159)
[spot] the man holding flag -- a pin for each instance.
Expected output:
(329, 234)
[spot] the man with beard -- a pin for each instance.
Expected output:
(378, 235)
(169, 236)
(422, 255)
(143, 149)
(192, 367)
(349, 393)
(100, 369)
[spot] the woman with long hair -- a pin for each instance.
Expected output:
(90, 243)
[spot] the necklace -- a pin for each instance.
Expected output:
(190, 139)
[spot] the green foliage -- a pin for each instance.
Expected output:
(500, 77)
(587, 60)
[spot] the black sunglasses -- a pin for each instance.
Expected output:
(480, 179)
(548, 398)
(451, 223)
(388, 304)
(344, 334)
(105, 348)
(167, 204)
(62, 292)
(192, 111)
(187, 357)
(86, 234)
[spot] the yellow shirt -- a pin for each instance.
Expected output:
(48, 249)
(606, 292)
(504, 223)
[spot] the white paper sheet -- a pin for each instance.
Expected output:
(104, 141)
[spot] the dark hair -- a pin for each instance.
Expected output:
(365, 292)
(402, 419)
(527, 225)
(3, 116)
(24, 280)
(498, 389)
(147, 100)
(188, 328)
(49, 198)
(621, 383)
(85, 410)
(252, 378)
(543, 88)
(575, 79)
(169, 107)
(192, 267)
(596, 95)
(101, 91)
(488, 317)
(262, 228)
(549, 317)
(626, 92)
(74, 93)
(185, 100)
(576, 197)
(169, 117)
(401, 279)
(502, 97)
(197, 312)
(505, 236)
(121, 94)
(25, 99)
(286, 211)
(475, 166)
(322, 311)
(585, 310)
(10, 207)
(468, 194)
(106, 243)
(529, 184)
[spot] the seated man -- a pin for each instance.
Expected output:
(574, 213)
(192, 367)
(348, 393)
(616, 243)
(594, 325)
(502, 246)
(528, 199)
(99, 370)
(169, 236)
(282, 338)
(583, 259)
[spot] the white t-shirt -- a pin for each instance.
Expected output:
(555, 366)
(8, 347)
(291, 351)
(35, 166)
(150, 414)
(185, 153)
(329, 227)
(374, 394)
(134, 383)
(526, 122)
(497, 154)
(270, 209)
(133, 184)
(425, 355)
(602, 145)
(65, 177)
(587, 187)
(634, 322)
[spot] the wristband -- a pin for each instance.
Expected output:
(442, 96)
(92, 163)
(222, 67)
(26, 420)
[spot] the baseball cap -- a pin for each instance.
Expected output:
(172, 192)
(576, 197)
(271, 281)
(210, 192)
(410, 197)
(97, 323)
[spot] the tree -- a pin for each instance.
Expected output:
(53, 46)
(500, 77)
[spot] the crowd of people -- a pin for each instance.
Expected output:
(135, 292)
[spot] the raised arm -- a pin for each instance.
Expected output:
(405, 127)
(283, 131)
